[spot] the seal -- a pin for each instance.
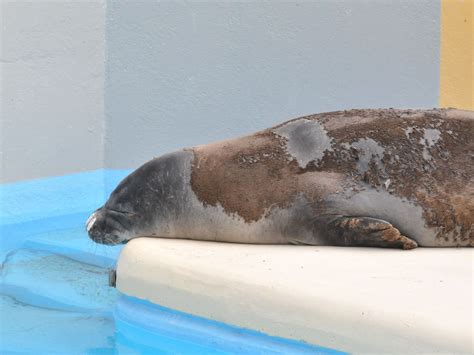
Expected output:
(380, 178)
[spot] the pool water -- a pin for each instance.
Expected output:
(53, 296)
(54, 293)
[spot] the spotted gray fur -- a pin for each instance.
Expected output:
(307, 140)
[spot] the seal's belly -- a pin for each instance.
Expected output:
(290, 225)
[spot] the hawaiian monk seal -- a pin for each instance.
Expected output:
(383, 178)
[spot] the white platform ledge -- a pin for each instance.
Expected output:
(354, 299)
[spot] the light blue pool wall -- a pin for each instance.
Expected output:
(32, 207)
(111, 84)
(37, 199)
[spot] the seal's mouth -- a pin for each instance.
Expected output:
(108, 240)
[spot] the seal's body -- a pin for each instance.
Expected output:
(387, 178)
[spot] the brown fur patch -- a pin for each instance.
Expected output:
(250, 175)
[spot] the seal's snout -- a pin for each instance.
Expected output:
(103, 228)
(95, 227)
(90, 221)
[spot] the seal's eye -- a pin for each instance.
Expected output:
(122, 212)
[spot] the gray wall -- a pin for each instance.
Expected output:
(52, 78)
(185, 73)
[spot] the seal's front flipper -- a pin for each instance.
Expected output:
(365, 232)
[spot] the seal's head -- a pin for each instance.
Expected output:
(124, 216)
(143, 203)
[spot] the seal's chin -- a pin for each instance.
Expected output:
(107, 239)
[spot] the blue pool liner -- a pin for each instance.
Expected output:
(33, 207)
(57, 196)
(146, 323)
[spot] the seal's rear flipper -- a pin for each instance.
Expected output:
(365, 232)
